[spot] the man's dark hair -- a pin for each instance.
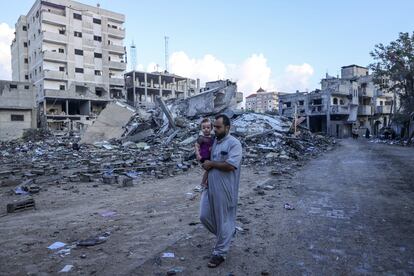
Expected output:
(226, 120)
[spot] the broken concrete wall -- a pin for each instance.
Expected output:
(221, 95)
(109, 124)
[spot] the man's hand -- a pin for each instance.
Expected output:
(207, 165)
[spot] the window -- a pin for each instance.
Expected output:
(341, 102)
(40, 68)
(13, 86)
(78, 52)
(26, 87)
(25, 44)
(26, 60)
(77, 34)
(29, 42)
(61, 50)
(301, 102)
(97, 55)
(335, 101)
(288, 104)
(109, 58)
(15, 117)
(77, 16)
(24, 28)
(97, 38)
(79, 70)
(61, 69)
(62, 31)
(61, 87)
(26, 77)
(96, 21)
(98, 73)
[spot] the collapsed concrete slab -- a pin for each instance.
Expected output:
(109, 124)
(219, 96)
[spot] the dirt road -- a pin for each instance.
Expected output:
(353, 215)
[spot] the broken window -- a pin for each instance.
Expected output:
(97, 38)
(77, 34)
(13, 86)
(288, 104)
(15, 117)
(98, 55)
(61, 50)
(78, 52)
(301, 102)
(77, 16)
(335, 101)
(61, 87)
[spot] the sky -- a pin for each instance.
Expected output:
(277, 45)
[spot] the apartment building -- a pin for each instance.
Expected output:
(17, 109)
(143, 87)
(74, 55)
(262, 101)
(344, 104)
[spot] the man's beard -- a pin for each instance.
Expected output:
(221, 135)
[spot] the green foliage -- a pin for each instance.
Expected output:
(393, 69)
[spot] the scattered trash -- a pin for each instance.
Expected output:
(107, 213)
(56, 245)
(168, 255)
(91, 241)
(175, 270)
(287, 206)
(66, 268)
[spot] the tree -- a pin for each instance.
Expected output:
(393, 71)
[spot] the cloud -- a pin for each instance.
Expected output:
(206, 69)
(250, 74)
(6, 37)
(295, 77)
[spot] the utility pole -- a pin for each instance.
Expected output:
(166, 52)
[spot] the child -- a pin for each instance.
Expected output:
(203, 146)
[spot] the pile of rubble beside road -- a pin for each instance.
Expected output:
(142, 143)
(161, 153)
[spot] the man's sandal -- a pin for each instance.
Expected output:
(215, 261)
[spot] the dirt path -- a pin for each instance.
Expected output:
(353, 216)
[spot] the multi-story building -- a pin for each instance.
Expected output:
(143, 87)
(73, 54)
(262, 101)
(346, 104)
(17, 109)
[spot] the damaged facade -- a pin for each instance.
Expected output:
(142, 88)
(74, 55)
(17, 109)
(346, 105)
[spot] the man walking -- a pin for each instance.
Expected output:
(219, 201)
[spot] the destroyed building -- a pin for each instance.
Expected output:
(74, 55)
(351, 103)
(142, 88)
(17, 109)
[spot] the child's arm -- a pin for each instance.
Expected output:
(197, 151)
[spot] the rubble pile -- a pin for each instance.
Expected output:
(149, 147)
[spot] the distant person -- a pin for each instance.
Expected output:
(367, 133)
(203, 146)
(219, 201)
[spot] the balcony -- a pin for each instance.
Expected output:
(55, 75)
(117, 65)
(70, 94)
(364, 92)
(341, 90)
(364, 110)
(54, 56)
(116, 81)
(55, 38)
(53, 19)
(116, 33)
(383, 109)
(317, 109)
(116, 49)
(339, 109)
